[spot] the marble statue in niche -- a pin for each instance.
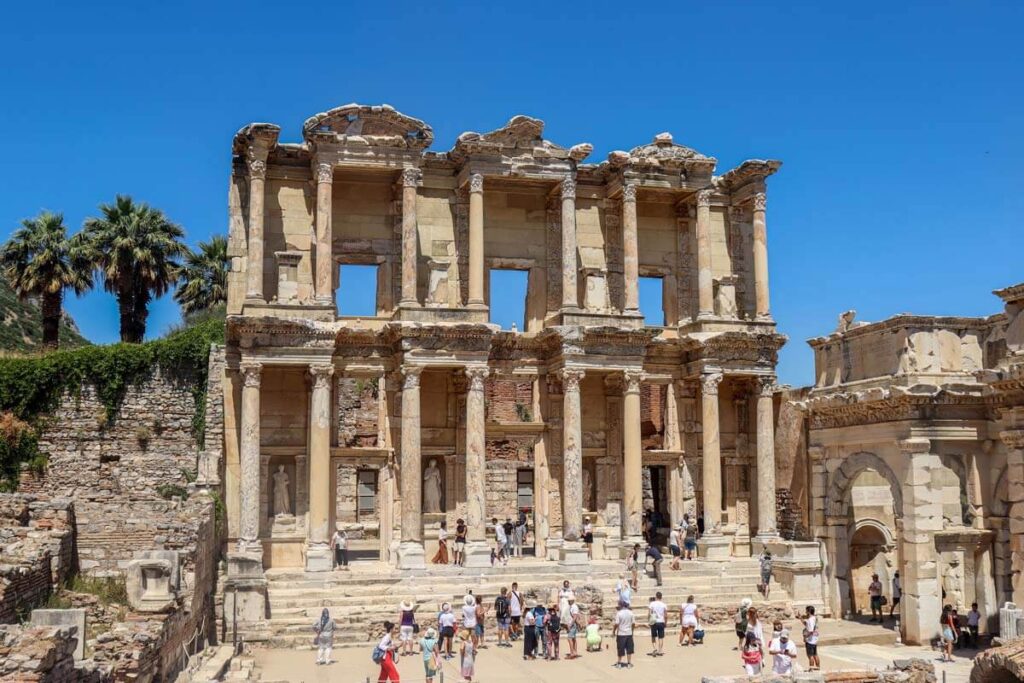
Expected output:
(432, 488)
(282, 498)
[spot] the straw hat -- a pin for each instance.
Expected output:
(431, 633)
(746, 602)
(469, 601)
(405, 606)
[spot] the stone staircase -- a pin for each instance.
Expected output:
(369, 593)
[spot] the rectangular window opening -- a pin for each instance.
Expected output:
(508, 298)
(652, 302)
(356, 295)
(524, 490)
(366, 493)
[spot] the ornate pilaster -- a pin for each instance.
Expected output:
(477, 555)
(411, 555)
(705, 296)
(249, 529)
(476, 240)
(570, 291)
(761, 258)
(257, 162)
(767, 525)
(1014, 442)
(633, 497)
(572, 466)
(324, 279)
(630, 257)
(318, 551)
(411, 179)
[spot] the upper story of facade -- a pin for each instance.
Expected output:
(361, 188)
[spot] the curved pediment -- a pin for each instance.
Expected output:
(663, 152)
(378, 125)
(521, 136)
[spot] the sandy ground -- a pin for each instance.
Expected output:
(501, 665)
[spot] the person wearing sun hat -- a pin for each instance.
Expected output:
(446, 622)
(406, 626)
(429, 647)
(783, 653)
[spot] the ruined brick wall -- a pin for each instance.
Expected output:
(37, 547)
(509, 400)
(505, 457)
(115, 471)
(357, 412)
(652, 415)
(45, 654)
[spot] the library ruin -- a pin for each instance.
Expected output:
(905, 454)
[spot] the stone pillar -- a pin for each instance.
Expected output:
(324, 280)
(1014, 441)
(249, 529)
(760, 258)
(570, 291)
(713, 544)
(673, 442)
(385, 480)
(573, 551)
(632, 471)
(476, 241)
(922, 519)
(767, 525)
(410, 181)
(477, 551)
(630, 258)
(410, 552)
(318, 550)
(691, 443)
(705, 294)
(542, 527)
(254, 268)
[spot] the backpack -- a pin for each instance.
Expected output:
(554, 622)
(378, 655)
(501, 607)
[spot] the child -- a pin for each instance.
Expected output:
(467, 656)
(593, 635)
(751, 654)
(554, 629)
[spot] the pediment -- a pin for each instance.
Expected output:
(375, 125)
(521, 136)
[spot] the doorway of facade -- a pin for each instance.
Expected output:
(867, 557)
(655, 488)
(525, 505)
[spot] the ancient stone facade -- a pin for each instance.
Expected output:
(368, 423)
(913, 461)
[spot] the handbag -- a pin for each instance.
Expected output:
(378, 654)
(415, 627)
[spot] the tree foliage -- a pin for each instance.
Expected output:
(204, 277)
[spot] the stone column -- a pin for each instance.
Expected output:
(476, 240)
(254, 268)
(1014, 441)
(760, 258)
(249, 529)
(573, 551)
(410, 553)
(767, 525)
(410, 181)
(570, 291)
(542, 528)
(922, 519)
(705, 295)
(632, 450)
(477, 551)
(318, 550)
(630, 258)
(673, 442)
(713, 544)
(324, 280)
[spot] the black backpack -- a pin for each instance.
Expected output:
(554, 622)
(501, 607)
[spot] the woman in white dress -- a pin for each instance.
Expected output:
(689, 617)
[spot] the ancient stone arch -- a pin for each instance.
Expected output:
(837, 500)
(881, 527)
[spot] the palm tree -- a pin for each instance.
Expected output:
(136, 250)
(204, 277)
(38, 260)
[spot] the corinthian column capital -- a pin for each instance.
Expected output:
(709, 383)
(569, 187)
(476, 376)
(633, 379)
(760, 201)
(321, 373)
(257, 168)
(571, 378)
(412, 177)
(704, 198)
(766, 385)
(324, 173)
(476, 183)
(251, 371)
(411, 376)
(629, 192)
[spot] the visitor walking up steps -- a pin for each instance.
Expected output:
(324, 639)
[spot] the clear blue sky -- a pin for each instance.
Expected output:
(898, 123)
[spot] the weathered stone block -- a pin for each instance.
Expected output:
(73, 618)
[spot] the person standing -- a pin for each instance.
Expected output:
(622, 627)
(407, 628)
(339, 541)
(553, 626)
(460, 542)
(519, 535)
(515, 610)
(973, 624)
(689, 536)
(500, 541)
(949, 633)
(441, 556)
(811, 638)
(429, 647)
(540, 617)
(689, 618)
(783, 653)
(467, 660)
(766, 572)
(503, 616)
(751, 654)
(574, 626)
(741, 621)
(633, 565)
(384, 654)
(897, 593)
(588, 537)
(509, 528)
(655, 555)
(324, 629)
(623, 590)
(754, 625)
(446, 622)
(675, 546)
(481, 617)
(530, 633)
(469, 618)
(659, 613)
(875, 593)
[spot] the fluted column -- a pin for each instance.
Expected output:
(249, 529)
(570, 292)
(318, 551)
(761, 257)
(257, 161)
(705, 296)
(410, 552)
(711, 453)
(476, 240)
(630, 258)
(410, 181)
(632, 489)
(324, 280)
(572, 456)
(767, 525)
(477, 554)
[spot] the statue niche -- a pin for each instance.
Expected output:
(433, 489)
(282, 496)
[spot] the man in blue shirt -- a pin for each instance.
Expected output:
(655, 556)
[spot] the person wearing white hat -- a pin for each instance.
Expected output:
(783, 653)
(406, 626)
(469, 618)
(430, 647)
(741, 621)
(446, 622)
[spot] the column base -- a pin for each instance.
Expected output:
(411, 555)
(478, 554)
(245, 597)
(319, 558)
(250, 549)
(758, 543)
(627, 543)
(477, 305)
(573, 553)
(714, 547)
(553, 549)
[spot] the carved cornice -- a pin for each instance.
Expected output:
(663, 153)
(709, 383)
(251, 372)
(760, 201)
(838, 408)
(759, 348)
(750, 170)
(376, 126)
(321, 373)
(571, 378)
(521, 137)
